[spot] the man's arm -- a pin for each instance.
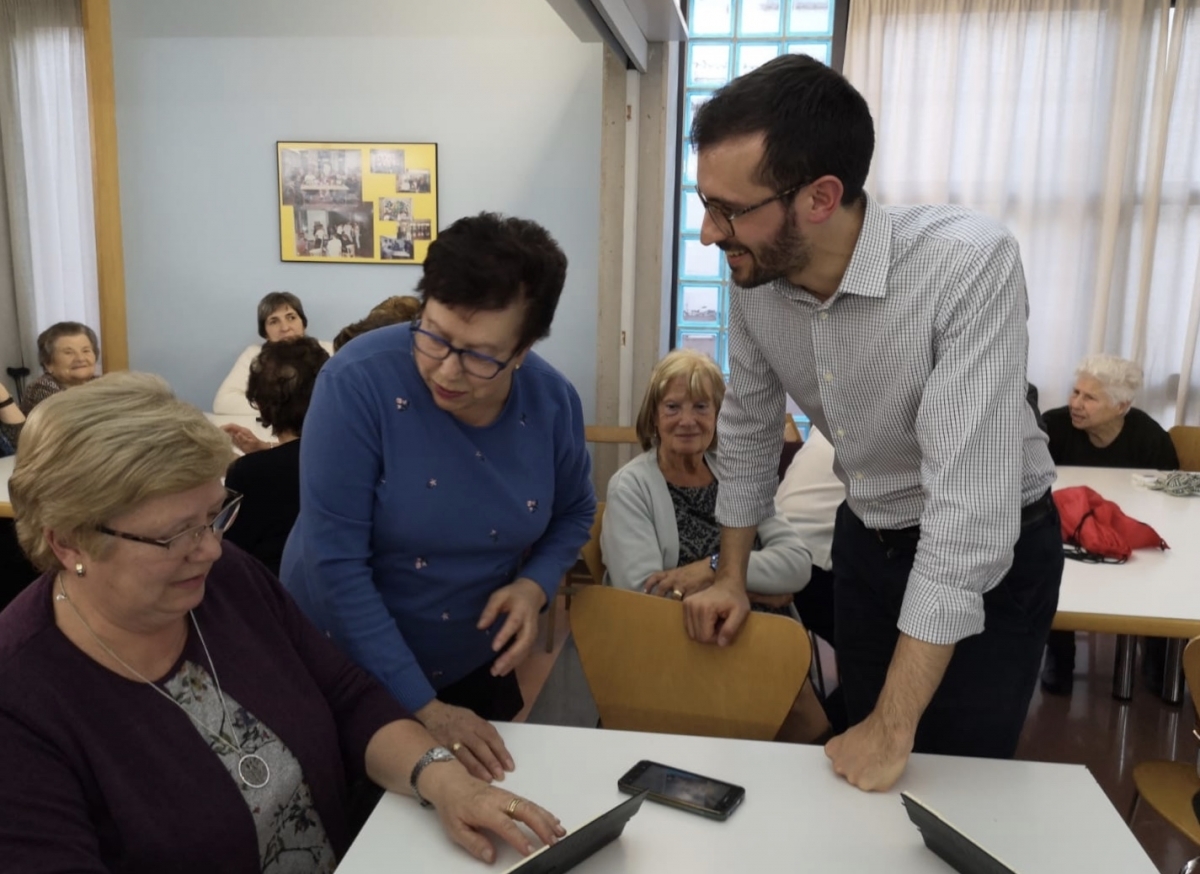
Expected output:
(969, 426)
(750, 439)
(873, 754)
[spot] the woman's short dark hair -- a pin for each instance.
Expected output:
(489, 262)
(393, 311)
(274, 301)
(50, 336)
(281, 381)
(814, 122)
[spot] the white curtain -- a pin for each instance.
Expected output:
(1064, 119)
(47, 161)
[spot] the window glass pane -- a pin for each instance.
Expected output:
(810, 16)
(710, 17)
(699, 262)
(752, 55)
(690, 162)
(759, 17)
(693, 212)
(706, 343)
(709, 64)
(700, 304)
(695, 101)
(818, 50)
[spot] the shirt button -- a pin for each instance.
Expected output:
(858, 474)
(824, 316)
(436, 674)
(828, 376)
(841, 433)
(446, 616)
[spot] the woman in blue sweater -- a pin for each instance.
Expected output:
(446, 487)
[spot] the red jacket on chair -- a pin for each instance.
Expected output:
(1100, 527)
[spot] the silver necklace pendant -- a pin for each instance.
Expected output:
(254, 770)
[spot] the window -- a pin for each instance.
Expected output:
(726, 39)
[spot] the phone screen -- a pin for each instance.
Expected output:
(665, 783)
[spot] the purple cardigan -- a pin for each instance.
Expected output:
(99, 774)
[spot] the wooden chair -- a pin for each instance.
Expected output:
(1187, 446)
(1168, 787)
(645, 674)
(592, 572)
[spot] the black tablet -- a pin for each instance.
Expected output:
(956, 849)
(577, 845)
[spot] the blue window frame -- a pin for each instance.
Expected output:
(728, 38)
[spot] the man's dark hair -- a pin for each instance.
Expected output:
(815, 123)
(277, 300)
(489, 262)
(281, 381)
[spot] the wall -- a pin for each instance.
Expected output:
(205, 89)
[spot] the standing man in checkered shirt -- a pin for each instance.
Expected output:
(901, 333)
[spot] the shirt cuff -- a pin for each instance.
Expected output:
(939, 614)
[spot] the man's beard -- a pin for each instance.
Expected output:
(789, 252)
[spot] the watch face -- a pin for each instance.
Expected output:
(441, 754)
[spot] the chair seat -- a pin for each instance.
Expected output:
(1168, 787)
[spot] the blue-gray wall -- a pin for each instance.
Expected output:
(205, 89)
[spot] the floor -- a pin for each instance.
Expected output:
(1089, 727)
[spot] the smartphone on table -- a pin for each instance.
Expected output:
(694, 793)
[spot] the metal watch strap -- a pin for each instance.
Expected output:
(437, 754)
(712, 563)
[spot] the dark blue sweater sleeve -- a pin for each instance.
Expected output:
(557, 550)
(340, 462)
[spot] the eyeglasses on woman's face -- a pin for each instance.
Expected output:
(439, 349)
(187, 540)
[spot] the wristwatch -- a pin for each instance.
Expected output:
(437, 754)
(712, 563)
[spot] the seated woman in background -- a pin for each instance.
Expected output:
(446, 486)
(280, 387)
(280, 317)
(660, 534)
(393, 311)
(11, 420)
(1100, 427)
(121, 747)
(67, 352)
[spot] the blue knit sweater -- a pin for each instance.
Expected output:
(410, 520)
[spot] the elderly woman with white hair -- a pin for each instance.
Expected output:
(1100, 427)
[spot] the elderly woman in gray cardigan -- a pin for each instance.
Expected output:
(660, 533)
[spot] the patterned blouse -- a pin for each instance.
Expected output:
(38, 390)
(291, 837)
(695, 517)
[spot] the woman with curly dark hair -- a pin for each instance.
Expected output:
(446, 486)
(279, 387)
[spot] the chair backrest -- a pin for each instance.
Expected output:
(591, 550)
(1187, 446)
(1191, 672)
(646, 674)
(611, 434)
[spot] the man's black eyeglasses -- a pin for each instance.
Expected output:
(723, 218)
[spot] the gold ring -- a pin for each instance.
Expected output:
(677, 595)
(511, 810)
(455, 747)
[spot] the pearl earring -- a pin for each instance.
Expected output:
(79, 571)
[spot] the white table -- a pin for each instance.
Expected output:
(1154, 593)
(6, 469)
(797, 817)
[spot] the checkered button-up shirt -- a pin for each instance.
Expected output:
(915, 371)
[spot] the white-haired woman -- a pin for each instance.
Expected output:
(1100, 427)
(164, 704)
